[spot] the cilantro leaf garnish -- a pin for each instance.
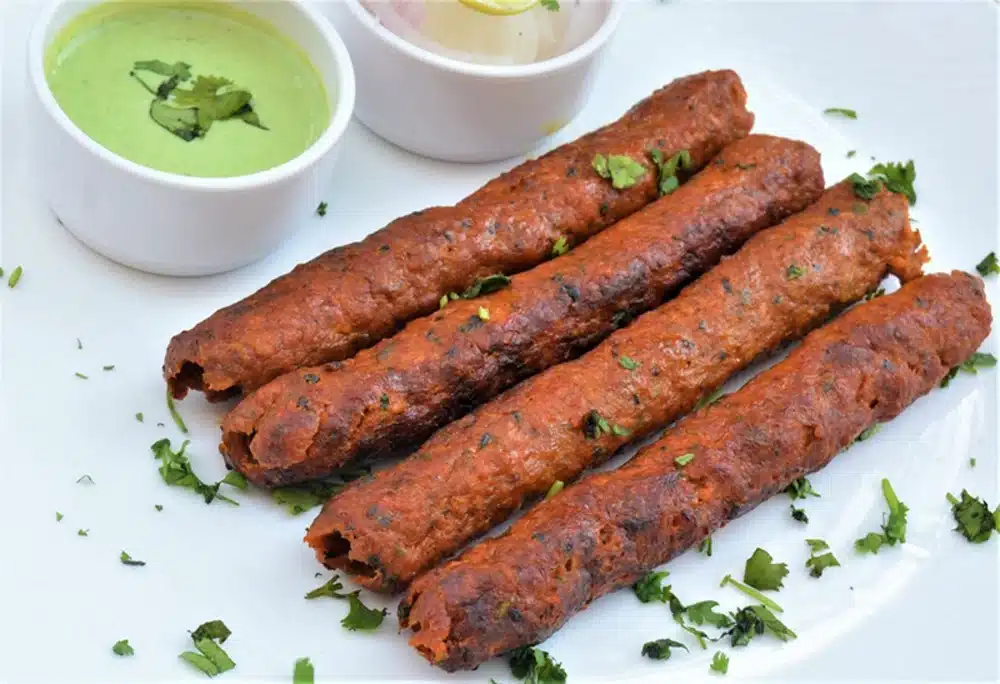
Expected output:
(59, 516)
(649, 589)
(841, 111)
(667, 169)
(235, 479)
(753, 621)
(211, 659)
(300, 498)
(975, 521)
(621, 169)
(331, 588)
(483, 286)
(703, 613)
(893, 528)
(818, 563)
(761, 573)
(751, 592)
(550, 5)
(708, 399)
(123, 648)
(660, 649)
(705, 546)
(864, 188)
(178, 421)
(720, 663)
(897, 177)
(176, 471)
(360, 616)
(800, 489)
(535, 666)
(989, 265)
(126, 559)
(181, 70)
(304, 672)
(799, 514)
(82, 532)
(594, 425)
(556, 487)
(628, 363)
(970, 365)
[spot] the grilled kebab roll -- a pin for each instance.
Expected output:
(306, 424)
(352, 296)
(605, 532)
(476, 472)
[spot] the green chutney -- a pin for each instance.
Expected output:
(89, 65)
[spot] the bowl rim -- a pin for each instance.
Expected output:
(343, 76)
(494, 71)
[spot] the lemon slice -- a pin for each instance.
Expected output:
(500, 7)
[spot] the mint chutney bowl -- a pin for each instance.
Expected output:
(186, 137)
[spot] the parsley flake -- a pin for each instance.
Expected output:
(621, 169)
(304, 673)
(684, 459)
(893, 527)
(841, 111)
(321, 209)
(761, 573)
(989, 265)
(59, 516)
(800, 489)
(799, 514)
(720, 663)
(122, 648)
(82, 533)
(660, 649)
(535, 666)
(126, 559)
(975, 521)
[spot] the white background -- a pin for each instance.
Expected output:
(923, 78)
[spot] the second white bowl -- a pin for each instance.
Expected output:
(459, 111)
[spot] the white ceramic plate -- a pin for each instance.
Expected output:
(923, 79)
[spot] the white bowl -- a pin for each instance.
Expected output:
(180, 225)
(460, 111)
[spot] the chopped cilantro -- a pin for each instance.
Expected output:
(122, 648)
(594, 425)
(550, 5)
(893, 528)
(818, 562)
(235, 479)
(864, 188)
(720, 663)
(975, 521)
(989, 265)
(213, 629)
(660, 649)
(841, 111)
(794, 272)
(178, 421)
(667, 169)
(139, 417)
(799, 514)
(108, 368)
(556, 487)
(331, 589)
(897, 177)
(751, 592)
(627, 363)
(483, 286)
(81, 375)
(59, 516)
(304, 672)
(649, 589)
(85, 479)
(560, 246)
(158, 507)
(79, 344)
(708, 399)
(15, 277)
(851, 153)
(620, 431)
(199, 661)
(800, 489)
(970, 365)
(128, 560)
(443, 302)
(753, 621)
(869, 432)
(761, 573)
(535, 666)
(703, 613)
(684, 459)
(82, 533)
(321, 209)
(483, 313)
(621, 169)
(705, 546)
(360, 616)
(176, 471)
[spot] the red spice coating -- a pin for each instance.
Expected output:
(352, 296)
(784, 282)
(608, 530)
(306, 424)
